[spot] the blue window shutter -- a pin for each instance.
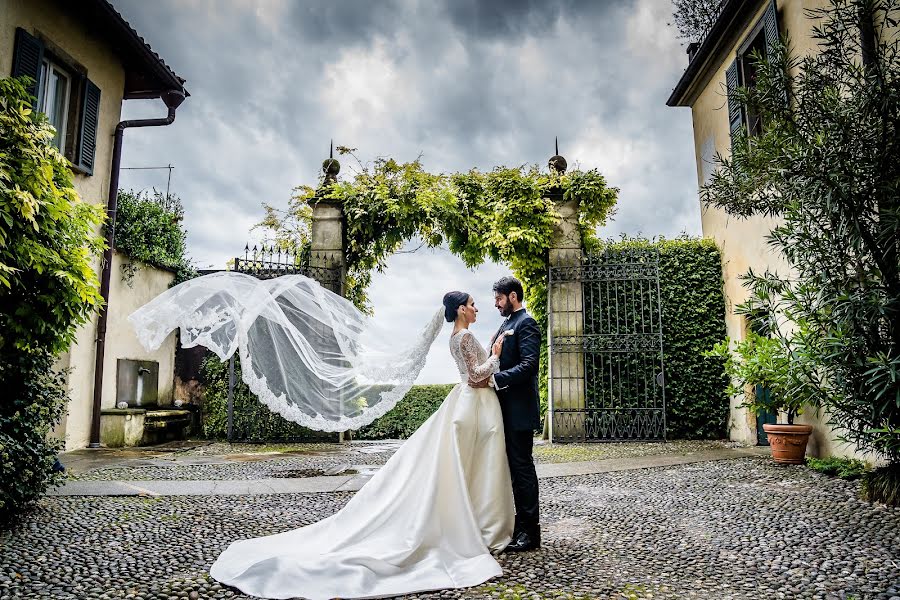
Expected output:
(90, 121)
(27, 58)
(735, 108)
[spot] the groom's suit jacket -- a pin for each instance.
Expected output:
(517, 381)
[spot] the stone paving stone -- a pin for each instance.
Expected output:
(742, 529)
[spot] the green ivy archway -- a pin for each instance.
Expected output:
(506, 215)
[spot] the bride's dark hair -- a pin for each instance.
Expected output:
(452, 302)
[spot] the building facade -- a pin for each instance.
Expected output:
(718, 63)
(85, 60)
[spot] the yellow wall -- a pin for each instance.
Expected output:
(104, 69)
(742, 241)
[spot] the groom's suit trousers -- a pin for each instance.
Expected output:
(519, 445)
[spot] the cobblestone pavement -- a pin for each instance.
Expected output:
(219, 461)
(741, 529)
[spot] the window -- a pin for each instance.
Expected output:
(743, 72)
(55, 90)
(70, 100)
(749, 68)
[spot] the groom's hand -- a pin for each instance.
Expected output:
(479, 384)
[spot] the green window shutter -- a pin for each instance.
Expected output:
(735, 108)
(770, 27)
(90, 120)
(27, 58)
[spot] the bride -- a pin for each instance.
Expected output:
(429, 519)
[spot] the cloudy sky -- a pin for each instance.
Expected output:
(461, 83)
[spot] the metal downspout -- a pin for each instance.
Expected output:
(172, 99)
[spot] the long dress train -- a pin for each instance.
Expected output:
(427, 520)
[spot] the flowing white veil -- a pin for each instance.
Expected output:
(306, 352)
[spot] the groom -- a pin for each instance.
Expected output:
(517, 388)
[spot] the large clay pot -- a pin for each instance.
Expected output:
(788, 442)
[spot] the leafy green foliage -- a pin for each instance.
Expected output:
(48, 236)
(505, 215)
(882, 485)
(34, 402)
(844, 468)
(148, 229)
(252, 420)
(826, 165)
(414, 409)
(760, 361)
(693, 321)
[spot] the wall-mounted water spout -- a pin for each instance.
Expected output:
(137, 382)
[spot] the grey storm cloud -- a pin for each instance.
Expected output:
(461, 83)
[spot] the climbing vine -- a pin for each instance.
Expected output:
(506, 215)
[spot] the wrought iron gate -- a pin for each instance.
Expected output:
(268, 263)
(606, 353)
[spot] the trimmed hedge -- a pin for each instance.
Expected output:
(414, 409)
(693, 321)
(253, 421)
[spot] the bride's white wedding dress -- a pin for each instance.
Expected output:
(427, 520)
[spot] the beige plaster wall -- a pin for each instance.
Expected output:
(121, 342)
(44, 19)
(742, 241)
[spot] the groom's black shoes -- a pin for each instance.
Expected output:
(526, 539)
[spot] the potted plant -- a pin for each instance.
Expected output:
(764, 363)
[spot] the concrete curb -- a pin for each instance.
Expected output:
(351, 483)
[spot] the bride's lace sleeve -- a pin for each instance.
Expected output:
(469, 348)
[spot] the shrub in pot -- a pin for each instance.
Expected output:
(767, 362)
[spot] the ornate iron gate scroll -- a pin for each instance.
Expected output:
(268, 263)
(611, 384)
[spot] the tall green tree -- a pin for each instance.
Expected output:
(694, 18)
(827, 164)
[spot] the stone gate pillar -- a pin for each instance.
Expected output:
(565, 321)
(326, 260)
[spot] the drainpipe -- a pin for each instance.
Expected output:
(172, 99)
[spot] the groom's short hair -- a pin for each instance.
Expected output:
(507, 285)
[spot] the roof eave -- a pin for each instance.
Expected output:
(145, 69)
(721, 34)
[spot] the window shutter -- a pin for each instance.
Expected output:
(735, 108)
(770, 27)
(27, 57)
(90, 120)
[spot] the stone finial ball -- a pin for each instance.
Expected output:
(331, 166)
(558, 164)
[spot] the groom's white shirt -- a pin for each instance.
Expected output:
(491, 382)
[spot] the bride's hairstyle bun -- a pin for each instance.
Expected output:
(452, 302)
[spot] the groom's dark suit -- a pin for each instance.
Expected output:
(517, 388)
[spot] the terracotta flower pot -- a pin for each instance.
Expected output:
(788, 442)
